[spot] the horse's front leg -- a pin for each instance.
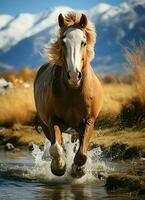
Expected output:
(58, 165)
(78, 167)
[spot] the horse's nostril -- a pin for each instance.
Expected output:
(74, 75)
(79, 75)
(68, 75)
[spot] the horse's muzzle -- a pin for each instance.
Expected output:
(74, 78)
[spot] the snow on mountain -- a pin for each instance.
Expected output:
(98, 9)
(112, 12)
(4, 19)
(15, 30)
(116, 32)
(47, 19)
(106, 12)
(136, 2)
(26, 25)
(22, 37)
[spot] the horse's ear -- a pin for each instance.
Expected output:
(83, 21)
(60, 20)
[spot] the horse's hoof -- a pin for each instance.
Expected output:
(58, 167)
(77, 171)
(56, 150)
(80, 159)
(58, 172)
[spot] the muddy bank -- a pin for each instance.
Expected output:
(115, 145)
(20, 137)
(118, 151)
(133, 180)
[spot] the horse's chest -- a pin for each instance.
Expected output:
(72, 111)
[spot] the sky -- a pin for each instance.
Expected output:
(14, 7)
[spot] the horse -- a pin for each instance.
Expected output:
(67, 91)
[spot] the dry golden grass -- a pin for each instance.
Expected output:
(25, 74)
(124, 97)
(17, 106)
(24, 135)
(116, 95)
(136, 58)
(107, 137)
(132, 182)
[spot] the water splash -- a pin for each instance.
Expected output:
(96, 167)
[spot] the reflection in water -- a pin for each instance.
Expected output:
(80, 192)
(33, 190)
(71, 192)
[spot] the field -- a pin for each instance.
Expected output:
(120, 126)
(122, 114)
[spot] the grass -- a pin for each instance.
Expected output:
(116, 95)
(133, 180)
(107, 137)
(25, 74)
(21, 136)
(17, 106)
(132, 183)
(136, 58)
(124, 100)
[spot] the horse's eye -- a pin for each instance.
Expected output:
(83, 44)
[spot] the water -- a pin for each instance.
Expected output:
(27, 176)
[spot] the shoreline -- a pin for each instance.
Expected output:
(126, 143)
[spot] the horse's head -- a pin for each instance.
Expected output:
(73, 45)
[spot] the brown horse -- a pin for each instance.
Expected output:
(67, 91)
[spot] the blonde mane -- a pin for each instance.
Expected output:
(53, 51)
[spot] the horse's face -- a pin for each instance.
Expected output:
(73, 51)
(74, 45)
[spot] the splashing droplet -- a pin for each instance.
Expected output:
(95, 166)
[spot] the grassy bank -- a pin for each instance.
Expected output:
(20, 136)
(134, 184)
(17, 106)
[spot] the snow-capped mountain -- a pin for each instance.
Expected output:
(4, 19)
(22, 38)
(26, 25)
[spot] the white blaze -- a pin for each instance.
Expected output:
(73, 39)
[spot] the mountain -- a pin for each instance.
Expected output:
(116, 28)
(22, 38)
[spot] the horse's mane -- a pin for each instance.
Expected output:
(72, 19)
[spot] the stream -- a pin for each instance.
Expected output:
(26, 175)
